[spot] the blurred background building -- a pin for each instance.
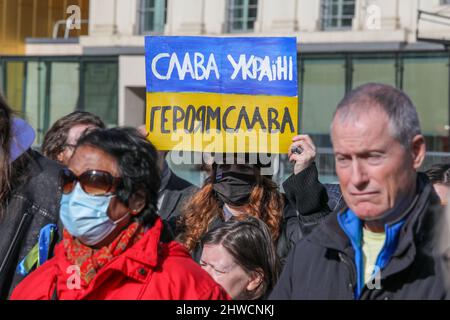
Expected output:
(47, 70)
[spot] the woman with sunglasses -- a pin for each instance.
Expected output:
(114, 244)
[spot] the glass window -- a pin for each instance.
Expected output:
(35, 106)
(242, 15)
(323, 87)
(426, 81)
(14, 82)
(42, 91)
(100, 87)
(373, 70)
(64, 83)
(153, 16)
(337, 14)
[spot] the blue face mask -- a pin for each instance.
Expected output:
(86, 217)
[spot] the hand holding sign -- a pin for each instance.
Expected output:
(308, 152)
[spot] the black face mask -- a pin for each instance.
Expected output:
(234, 183)
(233, 191)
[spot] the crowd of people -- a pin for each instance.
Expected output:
(98, 214)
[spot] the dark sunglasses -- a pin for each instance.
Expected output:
(93, 182)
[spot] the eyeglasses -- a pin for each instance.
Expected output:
(69, 145)
(93, 182)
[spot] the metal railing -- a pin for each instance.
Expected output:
(67, 23)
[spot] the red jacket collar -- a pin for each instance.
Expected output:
(145, 250)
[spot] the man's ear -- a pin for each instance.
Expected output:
(418, 150)
(256, 279)
(137, 202)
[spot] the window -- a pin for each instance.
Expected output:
(153, 16)
(64, 90)
(242, 15)
(323, 87)
(337, 14)
(100, 90)
(426, 81)
(373, 69)
(14, 84)
(34, 96)
(44, 89)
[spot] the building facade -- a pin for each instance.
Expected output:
(341, 44)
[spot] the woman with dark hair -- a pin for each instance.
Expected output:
(234, 190)
(241, 257)
(61, 139)
(29, 201)
(114, 245)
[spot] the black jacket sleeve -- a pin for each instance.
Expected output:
(290, 232)
(283, 288)
(305, 193)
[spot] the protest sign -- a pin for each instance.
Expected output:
(221, 94)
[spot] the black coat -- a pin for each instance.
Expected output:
(176, 194)
(310, 198)
(32, 205)
(321, 266)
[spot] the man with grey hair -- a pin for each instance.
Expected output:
(381, 243)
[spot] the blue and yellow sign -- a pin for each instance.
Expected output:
(221, 94)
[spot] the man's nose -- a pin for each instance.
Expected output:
(359, 174)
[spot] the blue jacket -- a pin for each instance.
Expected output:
(352, 226)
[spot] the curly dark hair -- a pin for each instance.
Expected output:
(56, 137)
(137, 161)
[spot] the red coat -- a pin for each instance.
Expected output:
(148, 270)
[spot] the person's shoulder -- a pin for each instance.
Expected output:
(177, 187)
(177, 259)
(187, 277)
(180, 186)
(43, 166)
(177, 182)
(323, 236)
(42, 183)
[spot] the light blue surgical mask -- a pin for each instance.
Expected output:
(86, 216)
